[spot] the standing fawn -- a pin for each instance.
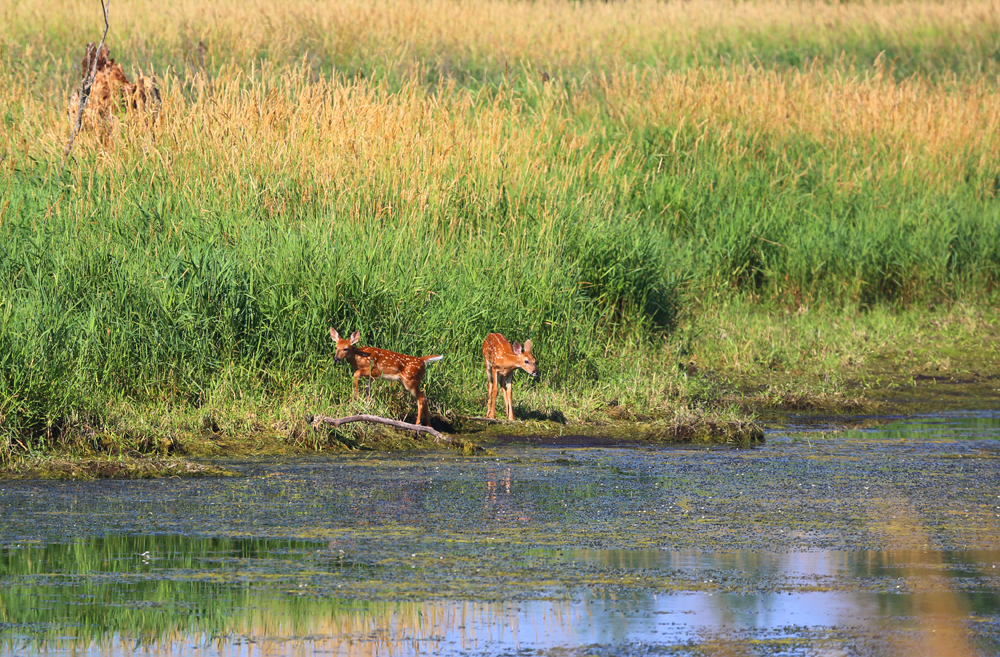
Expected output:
(502, 359)
(372, 363)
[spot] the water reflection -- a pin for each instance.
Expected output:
(841, 563)
(501, 508)
(948, 425)
(170, 594)
(408, 554)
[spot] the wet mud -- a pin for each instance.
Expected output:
(877, 536)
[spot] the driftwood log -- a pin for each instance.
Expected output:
(337, 421)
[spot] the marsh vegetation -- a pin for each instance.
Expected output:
(680, 204)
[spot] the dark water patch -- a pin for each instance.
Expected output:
(947, 425)
(876, 571)
(781, 424)
(936, 393)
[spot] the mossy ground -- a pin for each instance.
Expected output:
(91, 467)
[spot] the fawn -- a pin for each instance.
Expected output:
(372, 363)
(502, 359)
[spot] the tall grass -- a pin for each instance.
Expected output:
(214, 250)
(486, 42)
(196, 261)
(808, 186)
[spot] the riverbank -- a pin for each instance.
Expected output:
(723, 378)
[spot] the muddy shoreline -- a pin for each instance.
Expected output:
(472, 436)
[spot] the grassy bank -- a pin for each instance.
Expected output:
(620, 199)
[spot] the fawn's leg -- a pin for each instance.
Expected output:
(413, 387)
(423, 413)
(491, 392)
(508, 394)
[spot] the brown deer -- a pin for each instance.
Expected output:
(372, 363)
(502, 359)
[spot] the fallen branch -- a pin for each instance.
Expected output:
(88, 83)
(337, 421)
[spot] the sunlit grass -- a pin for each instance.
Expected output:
(477, 42)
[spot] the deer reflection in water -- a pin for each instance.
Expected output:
(377, 506)
(499, 506)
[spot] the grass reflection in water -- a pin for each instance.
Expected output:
(172, 593)
(168, 594)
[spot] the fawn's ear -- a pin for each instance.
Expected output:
(355, 336)
(527, 345)
(517, 349)
(334, 335)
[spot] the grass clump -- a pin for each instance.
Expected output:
(610, 196)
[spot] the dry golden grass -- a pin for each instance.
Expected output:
(256, 133)
(864, 125)
(412, 147)
(274, 114)
(550, 35)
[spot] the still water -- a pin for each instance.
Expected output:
(882, 541)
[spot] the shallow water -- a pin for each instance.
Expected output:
(880, 541)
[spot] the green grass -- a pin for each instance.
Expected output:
(613, 209)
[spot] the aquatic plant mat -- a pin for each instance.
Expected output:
(872, 541)
(135, 467)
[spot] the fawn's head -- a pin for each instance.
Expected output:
(343, 344)
(526, 361)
